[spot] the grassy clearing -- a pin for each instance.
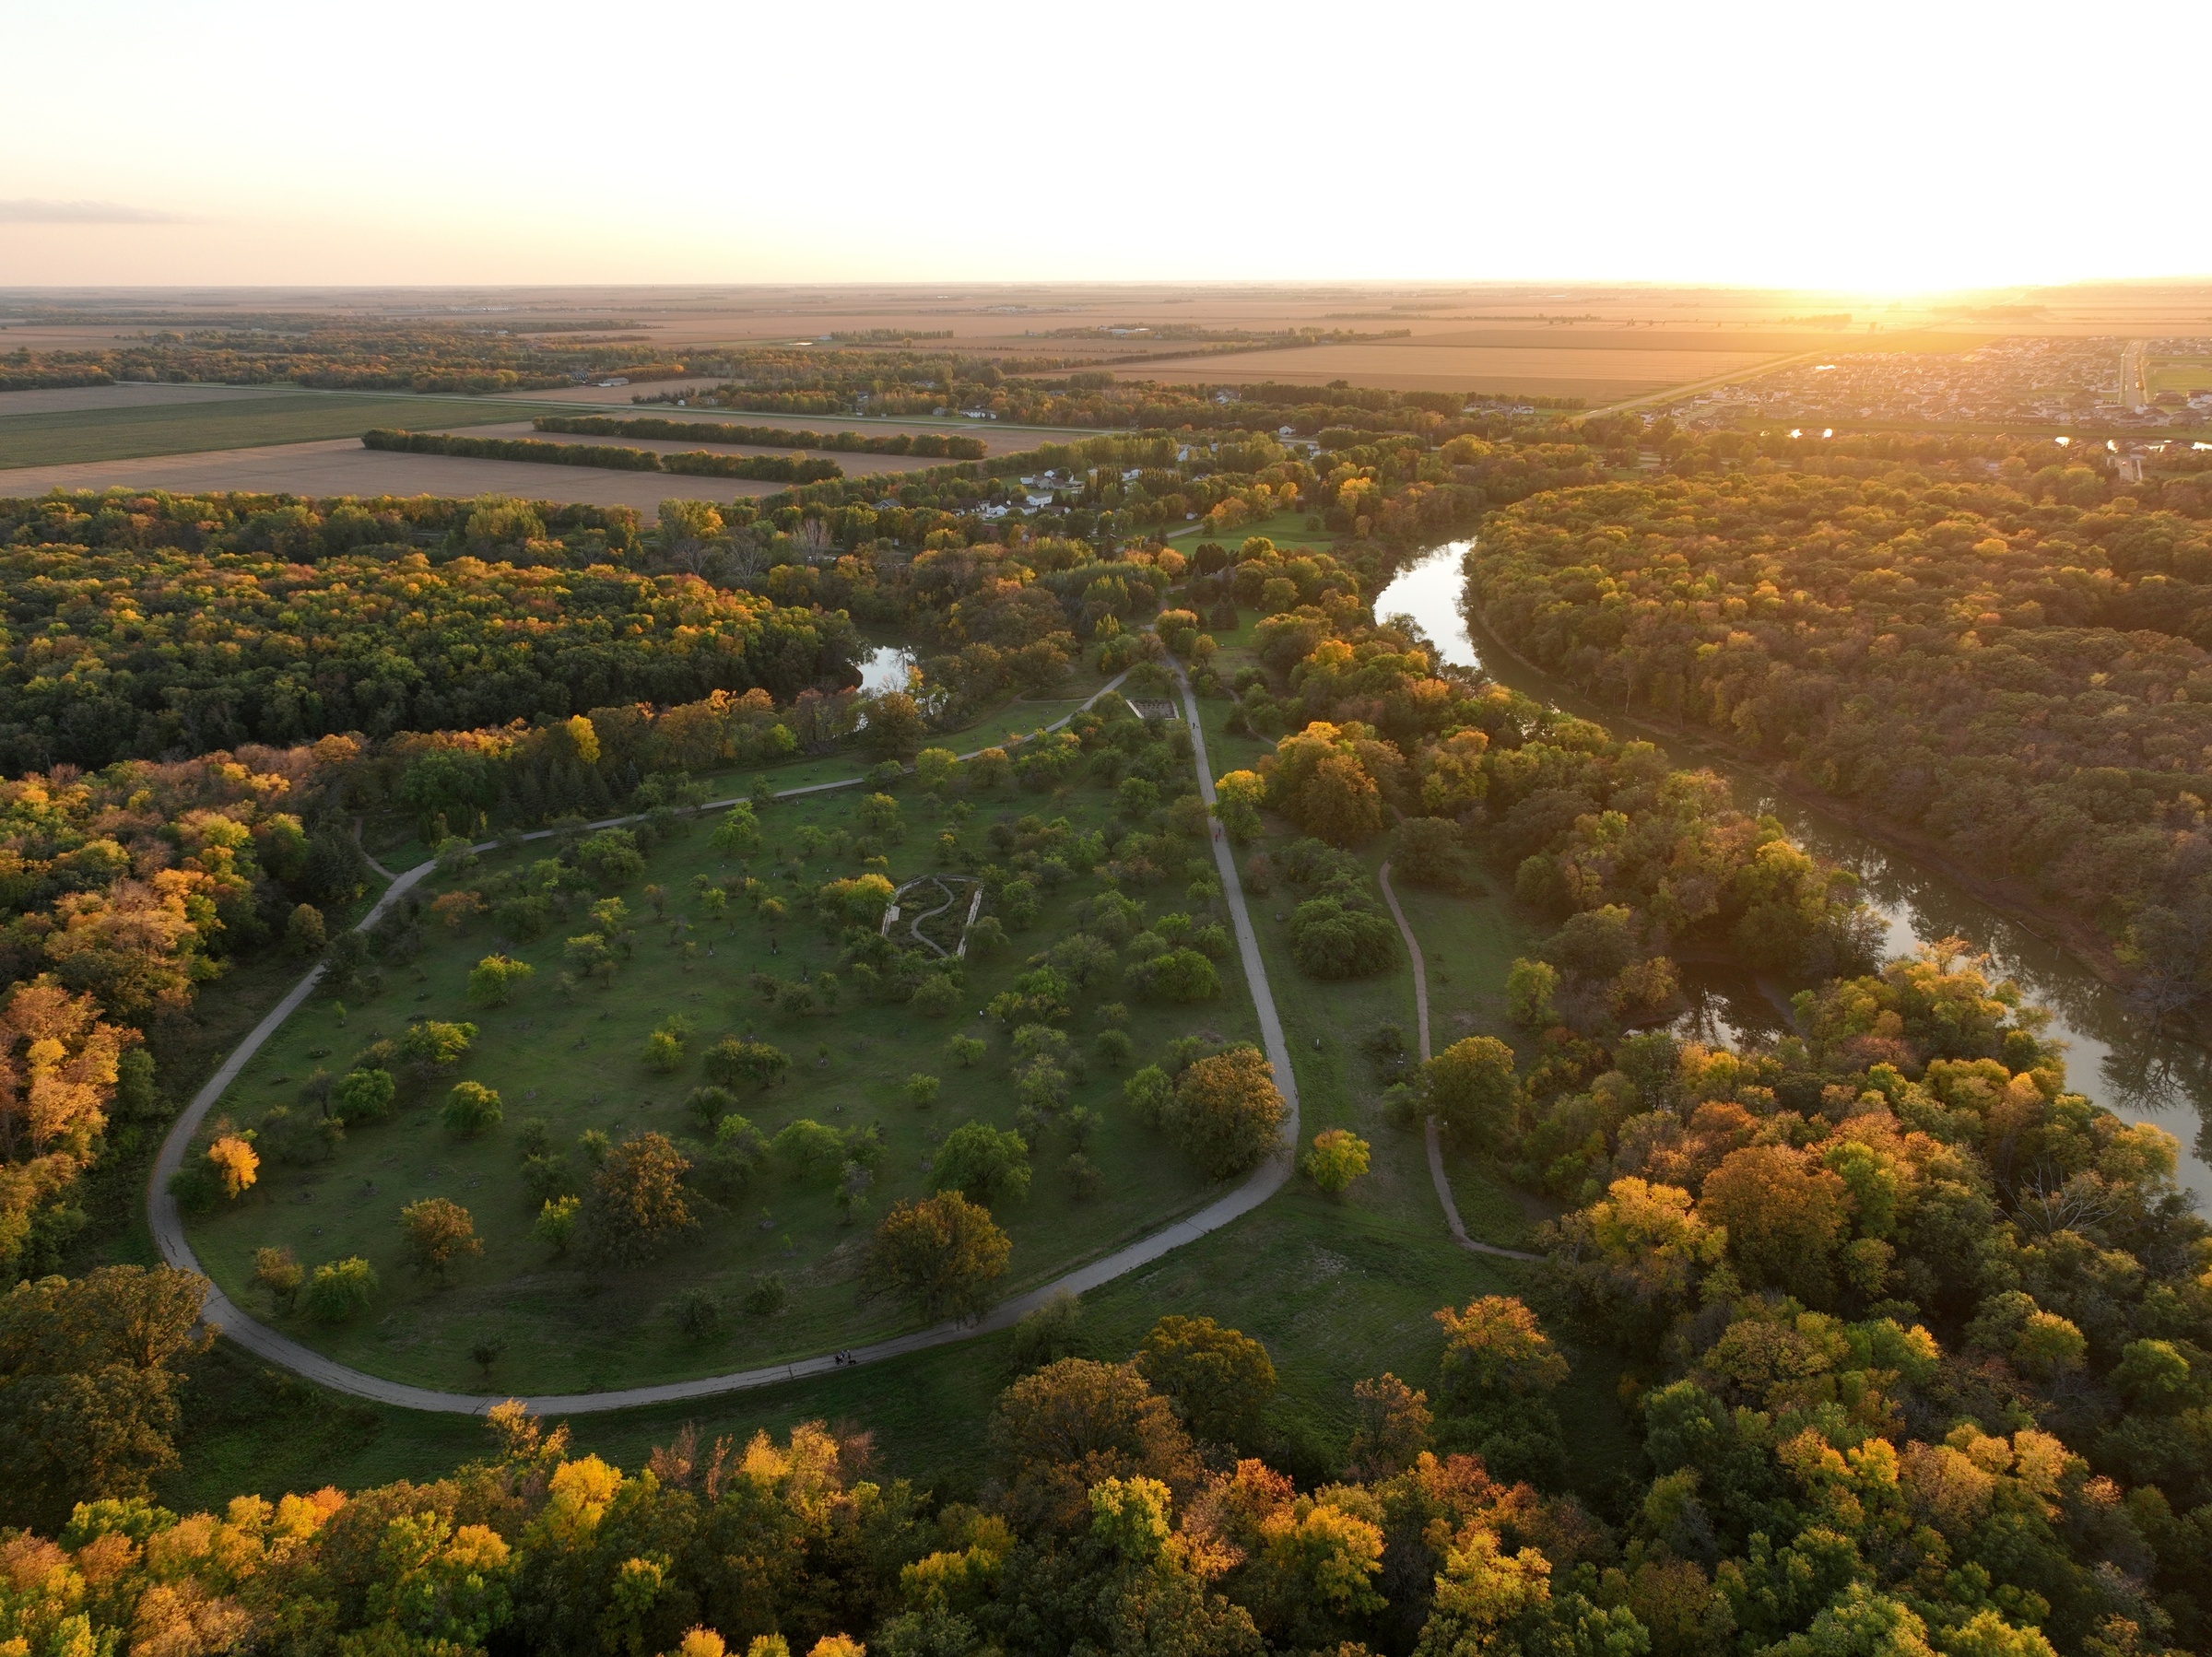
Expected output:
(578, 1065)
(1285, 529)
(68, 437)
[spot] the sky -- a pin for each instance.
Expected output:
(1891, 147)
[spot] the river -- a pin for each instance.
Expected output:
(2112, 1057)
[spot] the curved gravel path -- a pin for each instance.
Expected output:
(223, 1314)
(1436, 1149)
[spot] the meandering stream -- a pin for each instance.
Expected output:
(2113, 1058)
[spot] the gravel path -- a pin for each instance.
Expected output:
(1436, 1149)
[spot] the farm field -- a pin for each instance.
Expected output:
(73, 435)
(575, 1062)
(64, 399)
(855, 464)
(341, 467)
(1415, 365)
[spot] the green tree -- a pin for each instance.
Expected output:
(556, 1223)
(879, 815)
(1471, 1090)
(471, 1109)
(733, 1061)
(493, 980)
(737, 833)
(340, 1289)
(362, 1096)
(808, 1151)
(983, 1163)
(88, 1397)
(304, 934)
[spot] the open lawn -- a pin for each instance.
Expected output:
(73, 436)
(1285, 529)
(575, 1062)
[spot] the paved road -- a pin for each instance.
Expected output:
(1436, 1149)
(222, 1314)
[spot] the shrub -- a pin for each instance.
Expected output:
(548, 1176)
(709, 1105)
(664, 1052)
(340, 1289)
(698, 1314)
(769, 1295)
(1342, 937)
(1336, 1159)
(556, 1223)
(363, 1095)
(733, 1060)
(936, 996)
(471, 1109)
(922, 1089)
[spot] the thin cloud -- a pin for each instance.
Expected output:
(45, 212)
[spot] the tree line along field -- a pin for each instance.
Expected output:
(71, 436)
(575, 1062)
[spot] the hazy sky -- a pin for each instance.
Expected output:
(1901, 146)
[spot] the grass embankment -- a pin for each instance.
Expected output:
(68, 437)
(577, 1064)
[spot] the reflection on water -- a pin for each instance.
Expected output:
(2127, 1068)
(885, 667)
(1728, 1009)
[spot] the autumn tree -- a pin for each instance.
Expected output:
(635, 1206)
(942, 1253)
(58, 1069)
(1784, 1214)
(1338, 1157)
(1069, 1427)
(1218, 1380)
(1226, 1113)
(437, 1233)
